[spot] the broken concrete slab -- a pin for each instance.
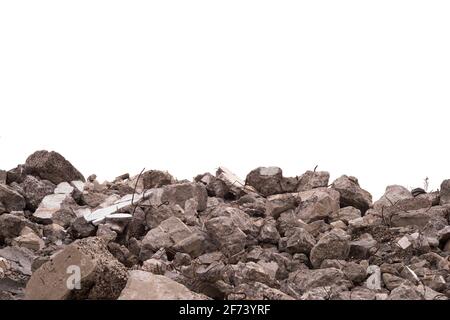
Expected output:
(56, 208)
(84, 269)
(143, 285)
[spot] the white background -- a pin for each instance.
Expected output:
(356, 87)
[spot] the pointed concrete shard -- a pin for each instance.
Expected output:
(233, 181)
(99, 215)
(119, 216)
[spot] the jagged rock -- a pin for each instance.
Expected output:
(19, 259)
(404, 292)
(158, 214)
(360, 248)
(304, 280)
(252, 272)
(156, 179)
(352, 194)
(178, 194)
(29, 239)
(11, 226)
(93, 199)
(354, 272)
(54, 232)
(226, 232)
(391, 281)
(51, 166)
(269, 232)
(56, 208)
(392, 195)
(227, 185)
(267, 181)
(313, 179)
(407, 218)
(11, 199)
(81, 228)
(445, 192)
(154, 266)
(317, 204)
(258, 291)
(34, 190)
(101, 275)
(121, 253)
(345, 214)
(299, 241)
(333, 245)
(358, 293)
(172, 233)
(143, 285)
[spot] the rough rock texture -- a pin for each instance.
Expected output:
(150, 236)
(51, 166)
(102, 276)
(34, 190)
(143, 285)
(445, 192)
(352, 194)
(10, 199)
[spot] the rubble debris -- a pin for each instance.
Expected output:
(101, 275)
(156, 179)
(352, 194)
(10, 199)
(51, 166)
(143, 285)
(150, 236)
(312, 180)
(266, 180)
(445, 192)
(56, 208)
(34, 190)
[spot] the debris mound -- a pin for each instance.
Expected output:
(151, 236)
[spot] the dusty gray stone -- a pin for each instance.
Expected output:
(317, 204)
(313, 179)
(35, 190)
(352, 194)
(333, 245)
(445, 192)
(102, 276)
(11, 199)
(156, 179)
(143, 285)
(404, 292)
(299, 241)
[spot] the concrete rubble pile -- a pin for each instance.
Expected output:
(150, 236)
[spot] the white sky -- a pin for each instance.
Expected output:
(357, 87)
